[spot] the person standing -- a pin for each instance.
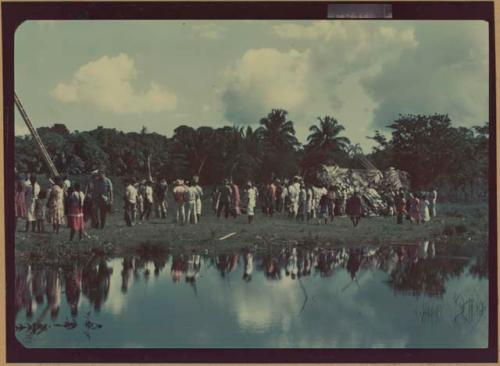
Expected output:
(130, 203)
(251, 201)
(66, 183)
(199, 196)
(75, 212)
(178, 192)
(354, 208)
(293, 194)
(235, 199)
(56, 205)
(400, 207)
(424, 209)
(279, 196)
(31, 191)
(102, 197)
(309, 202)
(161, 198)
(415, 208)
(269, 199)
(190, 197)
(332, 195)
(148, 200)
(224, 199)
(302, 202)
(40, 210)
(20, 201)
(433, 202)
(323, 208)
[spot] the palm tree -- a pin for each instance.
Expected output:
(326, 135)
(324, 145)
(277, 132)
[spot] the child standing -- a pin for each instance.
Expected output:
(40, 210)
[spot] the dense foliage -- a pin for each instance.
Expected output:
(433, 151)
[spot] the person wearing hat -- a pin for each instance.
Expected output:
(178, 192)
(102, 195)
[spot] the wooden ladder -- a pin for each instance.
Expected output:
(36, 137)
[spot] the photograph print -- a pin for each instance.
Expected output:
(250, 184)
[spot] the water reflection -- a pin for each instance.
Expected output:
(416, 270)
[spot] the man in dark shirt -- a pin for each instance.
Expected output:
(102, 195)
(354, 208)
(225, 194)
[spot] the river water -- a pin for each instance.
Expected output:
(394, 296)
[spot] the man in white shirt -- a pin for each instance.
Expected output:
(190, 197)
(433, 197)
(130, 203)
(199, 190)
(148, 200)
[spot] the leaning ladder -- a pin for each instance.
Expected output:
(36, 137)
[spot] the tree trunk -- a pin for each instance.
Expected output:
(148, 168)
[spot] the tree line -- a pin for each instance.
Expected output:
(428, 147)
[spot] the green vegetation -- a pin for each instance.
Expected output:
(429, 148)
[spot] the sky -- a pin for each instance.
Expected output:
(165, 73)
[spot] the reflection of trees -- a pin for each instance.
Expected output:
(480, 267)
(95, 282)
(73, 282)
(425, 276)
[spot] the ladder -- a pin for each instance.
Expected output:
(36, 137)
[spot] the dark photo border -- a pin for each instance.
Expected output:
(14, 13)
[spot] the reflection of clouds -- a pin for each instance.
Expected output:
(259, 309)
(116, 301)
(230, 312)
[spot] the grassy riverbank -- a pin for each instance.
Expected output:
(467, 224)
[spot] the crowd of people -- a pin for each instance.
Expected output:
(65, 203)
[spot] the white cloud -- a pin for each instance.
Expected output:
(209, 30)
(263, 79)
(447, 73)
(107, 84)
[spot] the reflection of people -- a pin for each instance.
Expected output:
(248, 267)
(177, 268)
(73, 282)
(127, 269)
(95, 282)
(23, 289)
(53, 292)
(354, 262)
